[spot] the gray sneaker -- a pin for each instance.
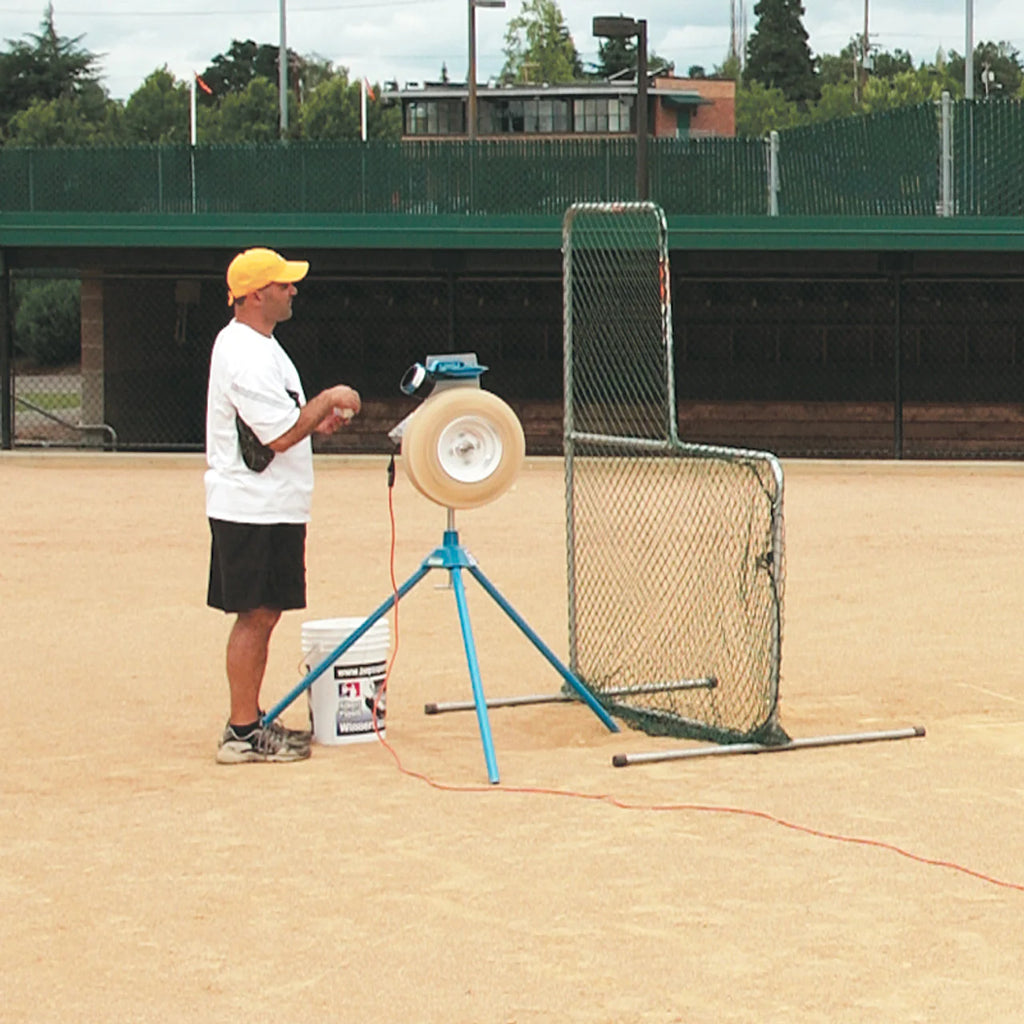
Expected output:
(264, 743)
(296, 737)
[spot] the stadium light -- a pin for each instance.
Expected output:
(625, 28)
(471, 76)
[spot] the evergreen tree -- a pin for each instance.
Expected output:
(618, 53)
(539, 47)
(44, 67)
(777, 52)
(614, 55)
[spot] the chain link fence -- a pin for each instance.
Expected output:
(873, 366)
(135, 373)
(802, 364)
(958, 158)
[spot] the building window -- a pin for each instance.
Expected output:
(551, 116)
(434, 117)
(603, 116)
(532, 116)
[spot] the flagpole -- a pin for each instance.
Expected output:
(362, 106)
(192, 135)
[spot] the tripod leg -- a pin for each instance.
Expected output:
(338, 651)
(474, 674)
(585, 695)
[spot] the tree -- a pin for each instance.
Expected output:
(47, 325)
(87, 118)
(760, 110)
(730, 69)
(906, 89)
(158, 111)
(889, 65)
(777, 52)
(1002, 62)
(539, 47)
(617, 54)
(232, 72)
(251, 115)
(309, 71)
(839, 69)
(838, 99)
(332, 112)
(47, 67)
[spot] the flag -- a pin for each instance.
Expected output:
(202, 85)
(369, 88)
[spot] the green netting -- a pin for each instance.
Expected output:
(885, 164)
(710, 176)
(988, 152)
(675, 551)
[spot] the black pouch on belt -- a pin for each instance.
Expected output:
(255, 454)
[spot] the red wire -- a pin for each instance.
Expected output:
(625, 805)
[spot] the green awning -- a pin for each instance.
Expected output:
(682, 99)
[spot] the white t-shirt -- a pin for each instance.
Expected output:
(251, 375)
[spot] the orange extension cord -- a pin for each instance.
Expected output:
(625, 805)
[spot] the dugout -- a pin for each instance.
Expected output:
(856, 337)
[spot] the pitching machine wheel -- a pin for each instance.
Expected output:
(463, 447)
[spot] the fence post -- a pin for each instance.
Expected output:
(946, 163)
(773, 174)
(6, 360)
(898, 367)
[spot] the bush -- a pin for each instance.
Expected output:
(47, 322)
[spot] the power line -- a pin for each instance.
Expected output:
(177, 13)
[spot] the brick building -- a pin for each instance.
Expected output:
(677, 108)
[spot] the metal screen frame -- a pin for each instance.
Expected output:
(655, 436)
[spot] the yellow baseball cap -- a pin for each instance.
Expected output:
(254, 269)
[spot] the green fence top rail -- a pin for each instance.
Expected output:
(212, 231)
(405, 232)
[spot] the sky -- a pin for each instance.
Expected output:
(411, 40)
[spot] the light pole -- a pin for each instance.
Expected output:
(471, 76)
(282, 72)
(625, 28)
(969, 55)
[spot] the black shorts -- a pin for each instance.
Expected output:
(257, 566)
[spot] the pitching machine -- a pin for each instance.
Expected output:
(462, 447)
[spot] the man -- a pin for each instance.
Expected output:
(259, 486)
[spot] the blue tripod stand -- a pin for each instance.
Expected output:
(451, 555)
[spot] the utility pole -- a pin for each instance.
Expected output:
(864, 53)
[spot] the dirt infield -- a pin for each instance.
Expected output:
(140, 881)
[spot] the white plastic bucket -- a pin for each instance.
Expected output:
(341, 698)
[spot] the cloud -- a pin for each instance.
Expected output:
(411, 39)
